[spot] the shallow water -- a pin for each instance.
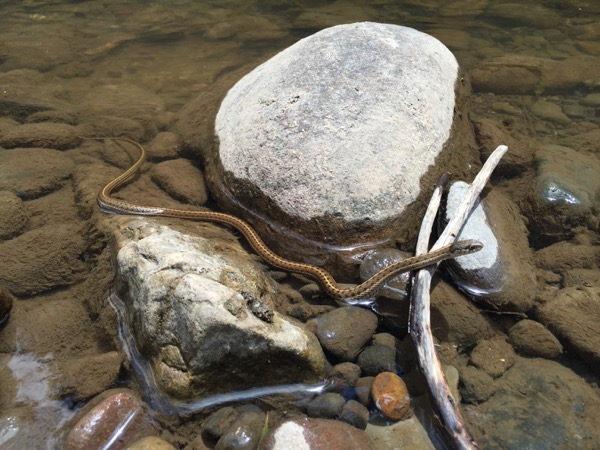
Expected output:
(52, 52)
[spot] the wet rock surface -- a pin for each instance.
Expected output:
(200, 333)
(390, 395)
(118, 418)
(317, 434)
(111, 69)
(343, 332)
(564, 192)
(501, 274)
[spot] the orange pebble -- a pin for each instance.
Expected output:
(390, 395)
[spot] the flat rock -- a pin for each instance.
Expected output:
(13, 215)
(573, 316)
(32, 172)
(59, 136)
(194, 297)
(42, 259)
(501, 274)
(409, 432)
(537, 401)
(522, 74)
(316, 434)
(563, 194)
(182, 180)
(319, 159)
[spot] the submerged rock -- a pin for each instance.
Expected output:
(184, 296)
(501, 274)
(563, 194)
(573, 315)
(316, 434)
(329, 142)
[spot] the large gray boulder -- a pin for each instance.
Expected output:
(200, 310)
(332, 146)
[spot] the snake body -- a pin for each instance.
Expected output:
(367, 289)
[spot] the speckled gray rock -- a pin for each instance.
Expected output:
(184, 298)
(502, 272)
(329, 142)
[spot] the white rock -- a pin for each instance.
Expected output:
(346, 121)
(184, 298)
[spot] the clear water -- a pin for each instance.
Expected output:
(176, 49)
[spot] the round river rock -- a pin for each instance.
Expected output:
(326, 147)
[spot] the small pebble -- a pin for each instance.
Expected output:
(355, 414)
(344, 375)
(376, 359)
(245, 431)
(326, 406)
(363, 390)
(477, 386)
(493, 356)
(390, 395)
(215, 425)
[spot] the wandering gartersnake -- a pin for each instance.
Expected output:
(366, 289)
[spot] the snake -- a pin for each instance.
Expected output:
(365, 290)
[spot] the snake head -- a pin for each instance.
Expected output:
(465, 247)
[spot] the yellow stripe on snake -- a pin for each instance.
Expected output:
(366, 289)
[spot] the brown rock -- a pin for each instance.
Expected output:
(58, 136)
(490, 135)
(118, 416)
(344, 331)
(390, 395)
(566, 256)
(42, 259)
(477, 386)
(455, 319)
(316, 434)
(13, 215)
(165, 145)
(32, 172)
(90, 375)
(151, 443)
(363, 390)
(573, 315)
(493, 356)
(182, 180)
(534, 339)
(344, 375)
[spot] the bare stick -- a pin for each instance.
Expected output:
(444, 405)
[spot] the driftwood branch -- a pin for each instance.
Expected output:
(444, 405)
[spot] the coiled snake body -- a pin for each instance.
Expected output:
(366, 289)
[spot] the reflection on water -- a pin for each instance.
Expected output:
(128, 67)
